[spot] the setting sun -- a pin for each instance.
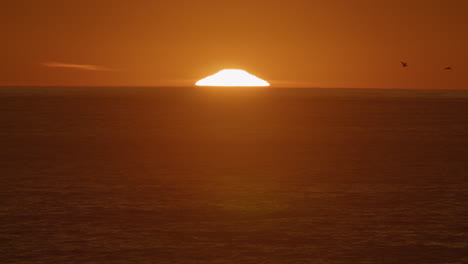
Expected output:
(232, 78)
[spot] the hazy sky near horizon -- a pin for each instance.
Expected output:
(314, 43)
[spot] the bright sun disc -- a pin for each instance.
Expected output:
(232, 78)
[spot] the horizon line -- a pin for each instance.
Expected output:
(201, 87)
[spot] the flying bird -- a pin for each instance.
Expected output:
(448, 68)
(404, 64)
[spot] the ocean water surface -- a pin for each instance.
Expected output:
(222, 175)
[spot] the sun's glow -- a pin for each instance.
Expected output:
(232, 78)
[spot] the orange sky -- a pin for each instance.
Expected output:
(314, 43)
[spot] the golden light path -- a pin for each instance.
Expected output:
(232, 77)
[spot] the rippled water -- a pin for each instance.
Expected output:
(185, 175)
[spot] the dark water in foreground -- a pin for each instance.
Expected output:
(142, 175)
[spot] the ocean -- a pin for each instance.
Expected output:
(233, 175)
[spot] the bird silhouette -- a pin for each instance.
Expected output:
(404, 64)
(448, 68)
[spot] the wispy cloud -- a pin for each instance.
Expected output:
(82, 67)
